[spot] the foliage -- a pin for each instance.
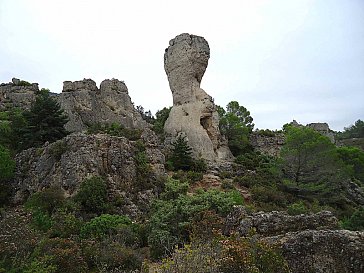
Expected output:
(7, 164)
(266, 132)
(24, 83)
(353, 159)
(254, 160)
(65, 223)
(58, 149)
(181, 154)
(45, 121)
(12, 129)
(225, 254)
(103, 226)
(297, 208)
(236, 124)
(356, 221)
(308, 156)
(353, 131)
(189, 177)
(43, 265)
(143, 169)
(146, 115)
(171, 219)
(47, 200)
(115, 129)
(92, 195)
(160, 119)
(65, 254)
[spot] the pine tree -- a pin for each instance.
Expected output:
(181, 154)
(45, 121)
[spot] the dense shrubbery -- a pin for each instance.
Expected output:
(172, 216)
(92, 195)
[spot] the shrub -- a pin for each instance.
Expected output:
(356, 220)
(65, 254)
(171, 220)
(181, 154)
(103, 225)
(58, 149)
(92, 195)
(43, 265)
(65, 224)
(47, 200)
(297, 208)
(114, 129)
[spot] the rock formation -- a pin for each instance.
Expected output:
(85, 104)
(67, 162)
(194, 112)
(18, 93)
(269, 145)
(309, 242)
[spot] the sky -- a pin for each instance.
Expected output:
(281, 59)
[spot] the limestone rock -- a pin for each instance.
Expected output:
(17, 94)
(194, 112)
(69, 161)
(85, 105)
(269, 145)
(278, 222)
(323, 128)
(322, 251)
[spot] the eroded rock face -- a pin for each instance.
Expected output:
(269, 145)
(67, 162)
(85, 104)
(17, 94)
(309, 242)
(194, 112)
(322, 251)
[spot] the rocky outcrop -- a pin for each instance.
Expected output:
(309, 242)
(194, 112)
(85, 105)
(18, 94)
(322, 251)
(67, 162)
(269, 145)
(324, 129)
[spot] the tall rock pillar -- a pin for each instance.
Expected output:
(194, 112)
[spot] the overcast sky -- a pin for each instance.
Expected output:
(282, 60)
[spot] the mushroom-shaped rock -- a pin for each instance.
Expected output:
(194, 112)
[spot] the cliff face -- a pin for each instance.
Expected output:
(194, 112)
(18, 94)
(67, 162)
(85, 105)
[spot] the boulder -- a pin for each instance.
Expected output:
(194, 112)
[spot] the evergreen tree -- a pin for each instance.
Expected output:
(236, 124)
(45, 121)
(181, 154)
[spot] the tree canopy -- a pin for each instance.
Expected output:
(236, 124)
(45, 120)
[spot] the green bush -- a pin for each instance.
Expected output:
(24, 83)
(297, 208)
(92, 195)
(43, 265)
(104, 225)
(47, 200)
(58, 149)
(7, 164)
(171, 219)
(356, 221)
(65, 224)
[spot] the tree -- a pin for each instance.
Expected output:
(45, 121)
(236, 124)
(308, 156)
(353, 158)
(161, 117)
(353, 131)
(146, 115)
(181, 154)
